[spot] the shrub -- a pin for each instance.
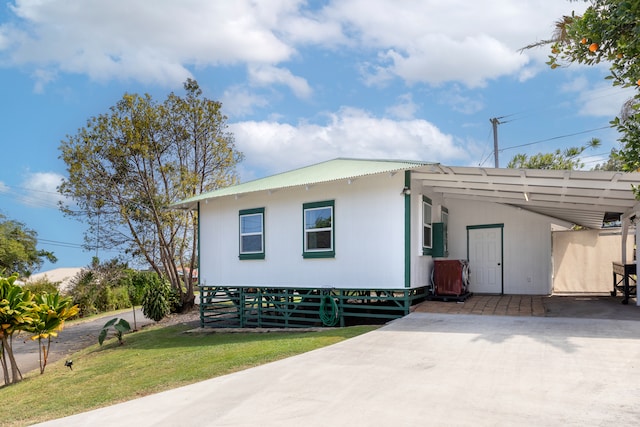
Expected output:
(84, 291)
(156, 302)
(112, 298)
(41, 286)
(101, 287)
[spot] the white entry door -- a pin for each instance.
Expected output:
(485, 259)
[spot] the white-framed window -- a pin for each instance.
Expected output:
(252, 233)
(427, 228)
(318, 229)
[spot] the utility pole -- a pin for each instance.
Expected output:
(495, 122)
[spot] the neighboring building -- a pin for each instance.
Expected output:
(60, 276)
(352, 238)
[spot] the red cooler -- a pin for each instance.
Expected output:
(451, 277)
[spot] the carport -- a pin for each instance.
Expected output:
(582, 198)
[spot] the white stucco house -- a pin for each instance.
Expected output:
(353, 238)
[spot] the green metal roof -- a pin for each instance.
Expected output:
(331, 170)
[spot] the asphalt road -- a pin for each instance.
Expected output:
(75, 336)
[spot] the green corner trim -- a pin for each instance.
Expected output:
(407, 231)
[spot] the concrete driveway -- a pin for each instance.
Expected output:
(427, 369)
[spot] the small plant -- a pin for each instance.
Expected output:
(120, 325)
(52, 311)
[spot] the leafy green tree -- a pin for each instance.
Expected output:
(136, 283)
(568, 159)
(18, 251)
(17, 312)
(613, 163)
(128, 166)
(607, 32)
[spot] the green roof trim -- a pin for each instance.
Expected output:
(331, 170)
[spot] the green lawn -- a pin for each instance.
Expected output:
(150, 361)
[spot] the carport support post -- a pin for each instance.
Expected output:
(628, 218)
(637, 239)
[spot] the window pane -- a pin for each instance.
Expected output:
(319, 240)
(317, 218)
(251, 243)
(426, 213)
(251, 224)
(426, 238)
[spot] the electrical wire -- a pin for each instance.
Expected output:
(553, 138)
(62, 244)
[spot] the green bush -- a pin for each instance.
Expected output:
(41, 286)
(112, 298)
(98, 289)
(84, 292)
(136, 283)
(156, 302)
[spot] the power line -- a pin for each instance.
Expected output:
(62, 244)
(554, 138)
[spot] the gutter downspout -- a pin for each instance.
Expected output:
(198, 264)
(407, 229)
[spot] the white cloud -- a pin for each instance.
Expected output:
(146, 41)
(604, 101)
(599, 100)
(461, 103)
(405, 108)
(436, 41)
(238, 101)
(439, 59)
(266, 75)
(40, 190)
(349, 132)
(417, 41)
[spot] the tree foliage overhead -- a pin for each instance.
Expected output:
(18, 251)
(126, 167)
(607, 32)
(567, 159)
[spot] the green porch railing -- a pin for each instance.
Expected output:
(260, 307)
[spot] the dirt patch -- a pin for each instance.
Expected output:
(191, 318)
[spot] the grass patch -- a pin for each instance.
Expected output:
(152, 360)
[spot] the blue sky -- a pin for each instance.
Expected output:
(300, 82)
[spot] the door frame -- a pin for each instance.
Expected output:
(483, 226)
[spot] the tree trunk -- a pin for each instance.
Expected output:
(16, 375)
(5, 369)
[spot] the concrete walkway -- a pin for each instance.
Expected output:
(426, 369)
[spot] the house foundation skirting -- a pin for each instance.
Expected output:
(259, 307)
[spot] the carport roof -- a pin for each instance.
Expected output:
(578, 197)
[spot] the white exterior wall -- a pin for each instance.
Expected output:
(527, 243)
(421, 265)
(368, 227)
